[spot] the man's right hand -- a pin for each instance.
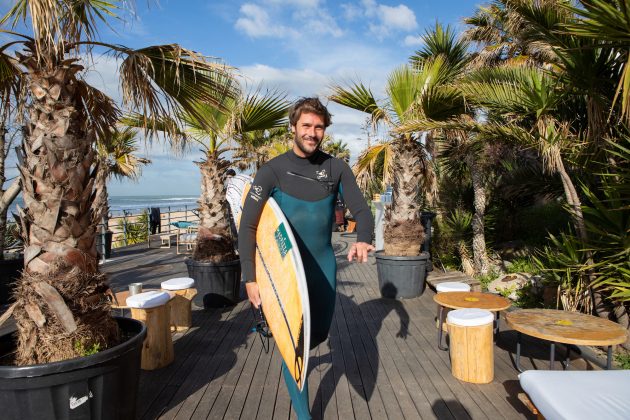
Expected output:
(253, 294)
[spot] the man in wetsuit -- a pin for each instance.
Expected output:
(305, 182)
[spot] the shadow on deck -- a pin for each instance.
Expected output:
(381, 360)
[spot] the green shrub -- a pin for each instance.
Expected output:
(485, 280)
(137, 232)
(522, 265)
(80, 348)
(623, 360)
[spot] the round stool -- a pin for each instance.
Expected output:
(471, 344)
(181, 304)
(152, 309)
(448, 286)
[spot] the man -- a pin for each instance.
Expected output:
(305, 182)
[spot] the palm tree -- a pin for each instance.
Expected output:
(411, 90)
(336, 148)
(60, 302)
(116, 157)
(214, 132)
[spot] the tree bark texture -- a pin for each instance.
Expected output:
(58, 224)
(480, 255)
(404, 234)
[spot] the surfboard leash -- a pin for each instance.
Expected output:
(261, 327)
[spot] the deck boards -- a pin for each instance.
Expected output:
(381, 360)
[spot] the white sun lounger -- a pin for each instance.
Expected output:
(576, 395)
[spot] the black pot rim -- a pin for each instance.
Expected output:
(191, 261)
(43, 369)
(380, 256)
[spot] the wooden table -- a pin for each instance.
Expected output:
(157, 349)
(461, 300)
(571, 328)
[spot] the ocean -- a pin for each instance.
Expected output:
(135, 204)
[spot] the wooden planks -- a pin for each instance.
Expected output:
(381, 360)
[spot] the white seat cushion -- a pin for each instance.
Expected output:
(470, 317)
(452, 286)
(575, 395)
(150, 299)
(178, 283)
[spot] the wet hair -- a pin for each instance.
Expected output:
(230, 172)
(306, 106)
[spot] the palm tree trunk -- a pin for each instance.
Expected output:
(573, 200)
(403, 230)
(480, 255)
(214, 240)
(60, 303)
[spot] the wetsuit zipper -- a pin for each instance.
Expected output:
(328, 187)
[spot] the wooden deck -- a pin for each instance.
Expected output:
(381, 360)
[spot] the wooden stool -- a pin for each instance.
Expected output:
(448, 286)
(471, 346)
(181, 304)
(152, 308)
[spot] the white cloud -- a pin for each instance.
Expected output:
(399, 17)
(256, 23)
(382, 20)
(309, 4)
(318, 21)
(413, 41)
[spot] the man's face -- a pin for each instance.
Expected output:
(308, 133)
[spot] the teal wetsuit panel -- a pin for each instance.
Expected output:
(311, 222)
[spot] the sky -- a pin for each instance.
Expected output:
(298, 46)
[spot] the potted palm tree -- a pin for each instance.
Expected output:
(242, 120)
(417, 88)
(66, 340)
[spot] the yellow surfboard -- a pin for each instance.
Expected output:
(283, 289)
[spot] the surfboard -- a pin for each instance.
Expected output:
(283, 289)
(235, 185)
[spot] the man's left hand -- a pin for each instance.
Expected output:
(359, 250)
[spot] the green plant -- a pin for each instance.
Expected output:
(486, 279)
(528, 297)
(136, 232)
(81, 350)
(623, 359)
(522, 265)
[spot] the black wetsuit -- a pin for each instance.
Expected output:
(305, 189)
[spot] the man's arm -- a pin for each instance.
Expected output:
(256, 198)
(362, 215)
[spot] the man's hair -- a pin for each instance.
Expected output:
(306, 106)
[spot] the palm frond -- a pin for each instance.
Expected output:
(442, 42)
(261, 111)
(81, 17)
(101, 111)
(365, 169)
(10, 83)
(361, 98)
(166, 80)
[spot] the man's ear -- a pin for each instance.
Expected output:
(292, 128)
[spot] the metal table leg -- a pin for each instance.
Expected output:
(518, 352)
(497, 322)
(552, 355)
(440, 322)
(609, 358)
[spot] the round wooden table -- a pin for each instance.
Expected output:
(571, 328)
(461, 300)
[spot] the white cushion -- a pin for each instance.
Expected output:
(150, 299)
(178, 283)
(575, 395)
(470, 317)
(452, 286)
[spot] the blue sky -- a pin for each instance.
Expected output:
(300, 46)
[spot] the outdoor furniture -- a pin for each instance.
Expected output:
(471, 347)
(461, 300)
(593, 394)
(181, 304)
(564, 327)
(151, 308)
(449, 286)
(187, 240)
(166, 239)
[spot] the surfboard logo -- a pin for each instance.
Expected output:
(321, 174)
(282, 240)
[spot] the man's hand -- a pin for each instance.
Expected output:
(253, 294)
(359, 250)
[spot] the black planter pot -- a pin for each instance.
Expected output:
(9, 273)
(218, 284)
(108, 243)
(101, 386)
(401, 277)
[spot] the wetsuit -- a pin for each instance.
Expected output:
(305, 189)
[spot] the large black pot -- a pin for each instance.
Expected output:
(100, 386)
(218, 284)
(401, 277)
(9, 273)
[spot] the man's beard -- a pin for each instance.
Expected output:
(300, 144)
